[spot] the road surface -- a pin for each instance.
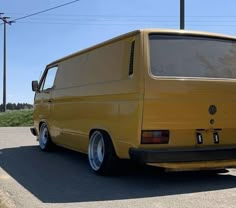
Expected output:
(31, 178)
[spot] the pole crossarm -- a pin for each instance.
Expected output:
(4, 19)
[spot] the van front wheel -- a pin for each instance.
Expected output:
(45, 142)
(101, 153)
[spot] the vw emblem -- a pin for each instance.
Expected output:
(212, 109)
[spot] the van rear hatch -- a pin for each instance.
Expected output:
(189, 112)
(192, 109)
(190, 91)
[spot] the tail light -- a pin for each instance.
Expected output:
(155, 137)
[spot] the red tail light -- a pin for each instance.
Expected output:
(155, 137)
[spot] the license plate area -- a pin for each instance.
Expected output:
(206, 137)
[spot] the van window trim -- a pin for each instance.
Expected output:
(192, 35)
(43, 78)
(183, 78)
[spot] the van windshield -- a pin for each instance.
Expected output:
(192, 56)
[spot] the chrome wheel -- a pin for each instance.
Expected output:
(96, 150)
(44, 137)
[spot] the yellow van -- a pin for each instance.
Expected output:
(160, 97)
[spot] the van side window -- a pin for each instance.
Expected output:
(49, 79)
(131, 61)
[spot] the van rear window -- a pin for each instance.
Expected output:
(192, 56)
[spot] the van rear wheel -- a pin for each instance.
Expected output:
(101, 153)
(45, 142)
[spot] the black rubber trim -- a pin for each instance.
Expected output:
(182, 155)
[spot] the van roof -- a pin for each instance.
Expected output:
(144, 31)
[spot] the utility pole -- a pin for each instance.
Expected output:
(182, 15)
(5, 22)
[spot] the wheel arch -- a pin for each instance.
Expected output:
(107, 133)
(42, 122)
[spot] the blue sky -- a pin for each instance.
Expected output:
(34, 42)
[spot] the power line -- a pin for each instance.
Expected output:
(126, 20)
(46, 10)
(111, 17)
(120, 21)
(106, 18)
(114, 15)
(127, 24)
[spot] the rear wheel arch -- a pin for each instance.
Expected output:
(101, 152)
(42, 122)
(105, 132)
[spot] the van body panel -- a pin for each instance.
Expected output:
(93, 90)
(72, 127)
(42, 109)
(183, 107)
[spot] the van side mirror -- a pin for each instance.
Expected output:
(35, 86)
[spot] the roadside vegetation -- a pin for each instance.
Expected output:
(16, 118)
(16, 106)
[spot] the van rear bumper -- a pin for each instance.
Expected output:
(182, 155)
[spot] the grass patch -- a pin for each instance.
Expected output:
(16, 118)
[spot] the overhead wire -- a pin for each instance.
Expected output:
(46, 10)
(131, 20)
(114, 15)
(170, 24)
(127, 21)
(104, 19)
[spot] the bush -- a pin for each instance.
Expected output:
(16, 118)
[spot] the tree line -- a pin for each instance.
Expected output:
(16, 106)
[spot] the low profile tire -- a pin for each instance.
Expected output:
(45, 142)
(101, 153)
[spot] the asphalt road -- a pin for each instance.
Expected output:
(30, 178)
